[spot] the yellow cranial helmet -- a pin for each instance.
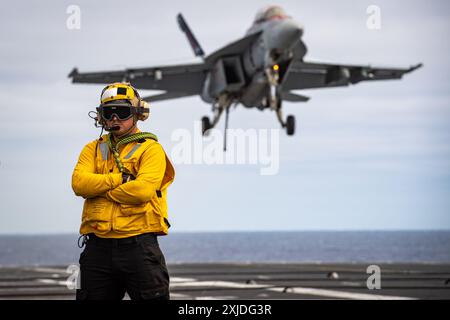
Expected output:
(121, 92)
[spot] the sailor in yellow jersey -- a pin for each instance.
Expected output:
(123, 177)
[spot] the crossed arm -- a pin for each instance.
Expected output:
(88, 184)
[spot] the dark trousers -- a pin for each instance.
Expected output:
(111, 267)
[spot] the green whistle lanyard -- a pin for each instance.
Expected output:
(131, 138)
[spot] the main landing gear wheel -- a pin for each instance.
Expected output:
(206, 124)
(290, 125)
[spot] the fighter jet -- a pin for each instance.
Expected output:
(259, 71)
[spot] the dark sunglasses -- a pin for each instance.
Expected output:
(121, 112)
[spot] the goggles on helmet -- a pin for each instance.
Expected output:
(122, 112)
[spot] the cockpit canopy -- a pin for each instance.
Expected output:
(270, 13)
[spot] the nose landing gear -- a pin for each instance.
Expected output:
(275, 100)
(289, 124)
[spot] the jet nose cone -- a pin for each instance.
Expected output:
(284, 35)
(291, 31)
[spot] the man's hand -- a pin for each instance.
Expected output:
(127, 177)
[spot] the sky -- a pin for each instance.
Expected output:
(374, 156)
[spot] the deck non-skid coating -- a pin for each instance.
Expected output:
(255, 281)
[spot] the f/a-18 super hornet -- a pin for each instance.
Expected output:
(259, 71)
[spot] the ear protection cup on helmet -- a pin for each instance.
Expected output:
(144, 112)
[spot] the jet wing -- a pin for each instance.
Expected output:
(307, 75)
(177, 81)
(234, 48)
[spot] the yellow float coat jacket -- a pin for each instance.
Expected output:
(115, 210)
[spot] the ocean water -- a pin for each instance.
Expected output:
(244, 247)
